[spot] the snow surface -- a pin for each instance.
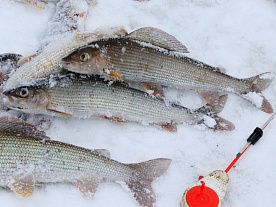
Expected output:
(237, 35)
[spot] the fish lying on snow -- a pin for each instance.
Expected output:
(155, 58)
(46, 62)
(40, 4)
(85, 97)
(28, 157)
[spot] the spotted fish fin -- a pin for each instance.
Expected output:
(27, 58)
(159, 38)
(101, 152)
(88, 187)
(15, 125)
(22, 184)
(140, 183)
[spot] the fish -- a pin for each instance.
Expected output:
(29, 157)
(40, 4)
(81, 96)
(151, 57)
(46, 62)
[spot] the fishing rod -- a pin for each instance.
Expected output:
(209, 191)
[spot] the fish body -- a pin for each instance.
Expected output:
(28, 156)
(84, 97)
(47, 61)
(131, 59)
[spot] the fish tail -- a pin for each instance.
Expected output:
(140, 184)
(211, 113)
(256, 85)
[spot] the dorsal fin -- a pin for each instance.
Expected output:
(15, 125)
(159, 38)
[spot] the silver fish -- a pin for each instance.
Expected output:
(28, 157)
(47, 61)
(84, 97)
(152, 57)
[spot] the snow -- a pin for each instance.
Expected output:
(237, 35)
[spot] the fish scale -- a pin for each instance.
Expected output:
(28, 156)
(94, 98)
(64, 162)
(165, 67)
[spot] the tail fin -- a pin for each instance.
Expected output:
(256, 85)
(140, 184)
(211, 111)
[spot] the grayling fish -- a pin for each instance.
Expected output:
(152, 57)
(83, 97)
(46, 62)
(28, 157)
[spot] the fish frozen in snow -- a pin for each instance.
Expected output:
(47, 61)
(28, 157)
(154, 58)
(40, 4)
(89, 97)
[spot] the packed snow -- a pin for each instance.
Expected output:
(236, 35)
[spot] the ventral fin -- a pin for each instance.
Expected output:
(159, 38)
(22, 184)
(101, 152)
(27, 58)
(115, 119)
(211, 97)
(170, 127)
(114, 74)
(88, 187)
(154, 90)
(15, 125)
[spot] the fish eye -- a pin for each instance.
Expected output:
(84, 57)
(23, 92)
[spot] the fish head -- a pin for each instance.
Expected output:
(88, 60)
(27, 99)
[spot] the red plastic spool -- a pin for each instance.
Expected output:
(202, 196)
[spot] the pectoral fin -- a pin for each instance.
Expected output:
(88, 187)
(114, 74)
(22, 184)
(159, 38)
